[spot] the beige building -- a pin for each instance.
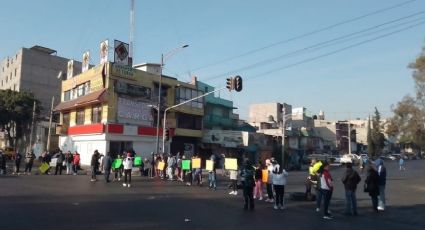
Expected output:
(36, 70)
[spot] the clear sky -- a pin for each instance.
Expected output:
(345, 78)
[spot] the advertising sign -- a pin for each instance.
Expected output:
(86, 62)
(70, 69)
(226, 138)
(134, 111)
(121, 53)
(104, 51)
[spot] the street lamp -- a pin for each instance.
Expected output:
(164, 57)
(284, 118)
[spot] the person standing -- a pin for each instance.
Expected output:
(350, 180)
(372, 186)
(60, 159)
(75, 162)
(326, 187)
(279, 181)
(68, 162)
(171, 162)
(128, 166)
(382, 172)
(212, 175)
(248, 183)
(401, 163)
(234, 182)
(17, 159)
(107, 165)
(2, 163)
(29, 161)
(94, 164)
(269, 184)
(258, 189)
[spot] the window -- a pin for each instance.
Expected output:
(80, 117)
(67, 95)
(96, 114)
(65, 121)
(86, 88)
(184, 94)
(16, 71)
(187, 121)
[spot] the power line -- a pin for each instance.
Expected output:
(325, 44)
(307, 34)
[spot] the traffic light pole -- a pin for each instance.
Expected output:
(174, 106)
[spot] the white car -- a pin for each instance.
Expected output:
(350, 158)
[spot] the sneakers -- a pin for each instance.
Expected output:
(275, 207)
(255, 197)
(271, 201)
(129, 185)
(235, 193)
(327, 217)
(381, 208)
(231, 193)
(317, 209)
(124, 185)
(93, 180)
(261, 198)
(283, 207)
(267, 200)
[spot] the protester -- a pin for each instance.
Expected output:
(171, 164)
(212, 175)
(59, 161)
(319, 194)
(269, 184)
(350, 180)
(234, 182)
(2, 163)
(128, 166)
(382, 172)
(326, 186)
(17, 158)
(279, 181)
(68, 162)
(179, 167)
(75, 162)
(29, 161)
(187, 173)
(312, 178)
(46, 158)
(258, 190)
(401, 163)
(94, 164)
(107, 164)
(372, 186)
(248, 183)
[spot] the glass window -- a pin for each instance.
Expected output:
(96, 114)
(65, 121)
(67, 95)
(80, 117)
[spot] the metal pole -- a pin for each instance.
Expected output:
(32, 126)
(159, 104)
(283, 136)
(349, 138)
(50, 125)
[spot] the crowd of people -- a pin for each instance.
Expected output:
(248, 177)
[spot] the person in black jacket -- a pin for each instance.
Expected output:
(94, 164)
(350, 180)
(107, 165)
(248, 183)
(372, 186)
(17, 158)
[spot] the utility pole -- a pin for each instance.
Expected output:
(283, 135)
(49, 133)
(32, 126)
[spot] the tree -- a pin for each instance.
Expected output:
(370, 145)
(378, 137)
(16, 113)
(407, 123)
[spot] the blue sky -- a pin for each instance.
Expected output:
(347, 84)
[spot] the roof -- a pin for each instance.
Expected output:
(43, 49)
(91, 98)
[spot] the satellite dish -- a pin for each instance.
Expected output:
(59, 75)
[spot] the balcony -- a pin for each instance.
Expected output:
(61, 130)
(214, 120)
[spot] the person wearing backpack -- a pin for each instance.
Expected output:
(350, 180)
(279, 181)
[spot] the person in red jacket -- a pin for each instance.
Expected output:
(75, 162)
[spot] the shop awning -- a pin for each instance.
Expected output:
(91, 98)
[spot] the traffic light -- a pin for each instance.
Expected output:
(237, 83)
(229, 83)
(167, 134)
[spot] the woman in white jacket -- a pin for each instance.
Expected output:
(128, 166)
(279, 181)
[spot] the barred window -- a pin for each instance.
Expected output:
(80, 117)
(96, 114)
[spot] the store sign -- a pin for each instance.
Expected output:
(226, 138)
(121, 52)
(133, 111)
(122, 71)
(133, 90)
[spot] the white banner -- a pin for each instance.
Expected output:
(226, 138)
(133, 111)
(70, 69)
(121, 52)
(86, 61)
(104, 51)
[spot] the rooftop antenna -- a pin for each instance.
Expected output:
(131, 31)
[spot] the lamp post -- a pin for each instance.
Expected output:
(50, 125)
(163, 58)
(283, 133)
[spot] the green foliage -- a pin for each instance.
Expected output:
(16, 112)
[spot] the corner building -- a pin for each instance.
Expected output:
(113, 108)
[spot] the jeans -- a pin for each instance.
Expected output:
(235, 185)
(374, 203)
(58, 168)
(350, 202)
(75, 168)
(127, 173)
(17, 165)
(327, 195)
(381, 196)
(68, 168)
(28, 167)
(249, 197)
(107, 173)
(269, 191)
(93, 172)
(280, 191)
(212, 180)
(319, 195)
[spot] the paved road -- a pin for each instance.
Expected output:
(72, 202)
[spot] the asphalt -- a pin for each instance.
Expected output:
(73, 202)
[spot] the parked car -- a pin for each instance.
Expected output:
(350, 158)
(336, 159)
